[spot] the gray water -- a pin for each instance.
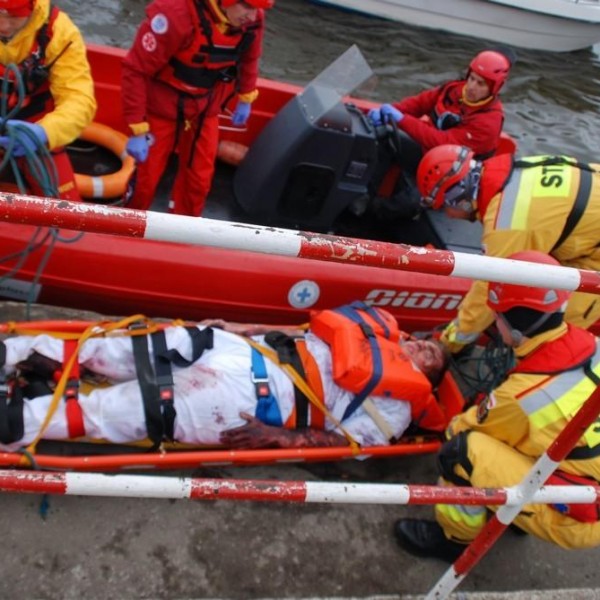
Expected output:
(552, 99)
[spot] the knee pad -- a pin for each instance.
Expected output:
(454, 453)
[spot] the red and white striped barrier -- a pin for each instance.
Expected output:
(99, 218)
(153, 486)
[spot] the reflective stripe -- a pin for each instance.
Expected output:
(509, 199)
(561, 398)
(528, 184)
(473, 516)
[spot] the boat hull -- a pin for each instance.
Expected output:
(117, 275)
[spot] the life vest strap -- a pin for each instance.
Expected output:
(353, 312)
(73, 410)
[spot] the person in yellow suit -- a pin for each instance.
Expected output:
(545, 203)
(496, 443)
(47, 88)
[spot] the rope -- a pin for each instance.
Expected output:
(482, 369)
(40, 167)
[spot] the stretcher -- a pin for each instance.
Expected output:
(96, 456)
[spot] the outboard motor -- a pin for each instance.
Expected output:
(310, 164)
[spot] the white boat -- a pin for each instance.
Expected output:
(554, 25)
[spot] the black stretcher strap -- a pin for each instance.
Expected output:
(285, 346)
(156, 381)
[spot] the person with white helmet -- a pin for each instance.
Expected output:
(188, 59)
(467, 111)
(496, 443)
(545, 203)
(47, 89)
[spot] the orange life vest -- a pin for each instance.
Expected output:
(212, 55)
(369, 360)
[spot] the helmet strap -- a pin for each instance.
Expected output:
(517, 335)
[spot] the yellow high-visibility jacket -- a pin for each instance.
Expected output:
(531, 408)
(71, 83)
(530, 213)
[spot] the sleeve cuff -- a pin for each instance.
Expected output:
(248, 97)
(139, 128)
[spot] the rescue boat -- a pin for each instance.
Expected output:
(310, 160)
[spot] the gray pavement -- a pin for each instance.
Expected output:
(105, 548)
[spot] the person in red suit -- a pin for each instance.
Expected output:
(188, 59)
(467, 112)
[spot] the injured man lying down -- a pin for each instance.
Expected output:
(350, 376)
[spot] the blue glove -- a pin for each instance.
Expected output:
(388, 113)
(27, 137)
(241, 113)
(375, 115)
(138, 147)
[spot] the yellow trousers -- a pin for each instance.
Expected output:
(497, 465)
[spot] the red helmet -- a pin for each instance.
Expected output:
(504, 296)
(493, 67)
(266, 4)
(440, 169)
(16, 8)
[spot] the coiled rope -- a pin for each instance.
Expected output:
(40, 167)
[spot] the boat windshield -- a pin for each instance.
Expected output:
(344, 75)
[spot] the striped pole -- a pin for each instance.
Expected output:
(98, 218)
(306, 492)
(526, 491)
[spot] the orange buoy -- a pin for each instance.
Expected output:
(111, 185)
(231, 153)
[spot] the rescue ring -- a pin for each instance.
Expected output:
(111, 185)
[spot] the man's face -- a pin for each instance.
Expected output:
(477, 88)
(425, 354)
(9, 25)
(240, 14)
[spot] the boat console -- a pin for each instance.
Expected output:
(321, 165)
(303, 171)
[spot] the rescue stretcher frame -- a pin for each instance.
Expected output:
(173, 456)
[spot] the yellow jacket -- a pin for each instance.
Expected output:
(530, 214)
(71, 83)
(527, 411)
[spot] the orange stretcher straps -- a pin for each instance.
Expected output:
(71, 395)
(313, 378)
